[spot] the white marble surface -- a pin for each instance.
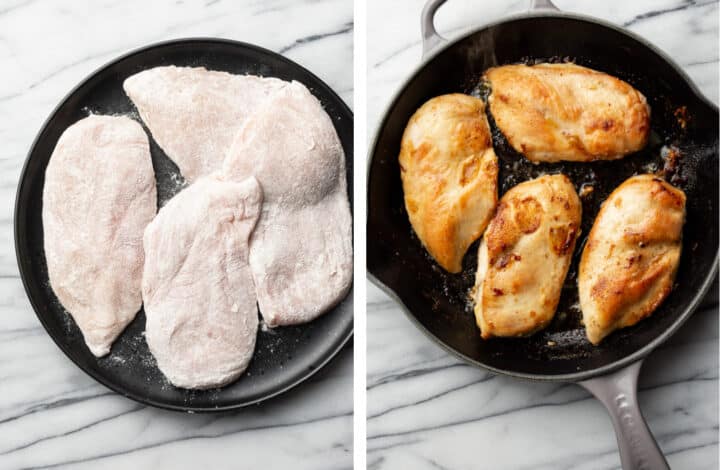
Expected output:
(428, 410)
(51, 413)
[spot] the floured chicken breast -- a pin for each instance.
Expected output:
(449, 173)
(301, 249)
(199, 296)
(553, 112)
(524, 257)
(629, 262)
(99, 196)
(194, 114)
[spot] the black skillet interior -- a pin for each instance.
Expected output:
(680, 120)
(285, 356)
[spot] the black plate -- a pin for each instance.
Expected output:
(284, 357)
(438, 301)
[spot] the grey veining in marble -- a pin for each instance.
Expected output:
(426, 409)
(51, 413)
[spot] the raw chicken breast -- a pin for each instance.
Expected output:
(301, 249)
(99, 196)
(552, 112)
(449, 173)
(199, 297)
(524, 257)
(194, 113)
(629, 262)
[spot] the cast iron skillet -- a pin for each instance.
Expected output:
(285, 356)
(438, 303)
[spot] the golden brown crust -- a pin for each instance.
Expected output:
(631, 257)
(449, 174)
(524, 257)
(553, 112)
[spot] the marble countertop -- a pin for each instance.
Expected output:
(428, 410)
(51, 413)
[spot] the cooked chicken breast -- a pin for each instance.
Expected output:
(525, 255)
(99, 196)
(552, 112)
(629, 262)
(449, 173)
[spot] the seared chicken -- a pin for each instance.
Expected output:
(553, 112)
(449, 173)
(525, 255)
(629, 262)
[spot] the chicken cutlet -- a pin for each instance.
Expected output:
(449, 175)
(301, 249)
(194, 114)
(555, 112)
(199, 296)
(524, 257)
(632, 254)
(99, 196)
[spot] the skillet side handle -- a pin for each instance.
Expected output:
(430, 37)
(543, 5)
(618, 392)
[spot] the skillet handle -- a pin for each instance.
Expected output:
(618, 392)
(430, 37)
(543, 5)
